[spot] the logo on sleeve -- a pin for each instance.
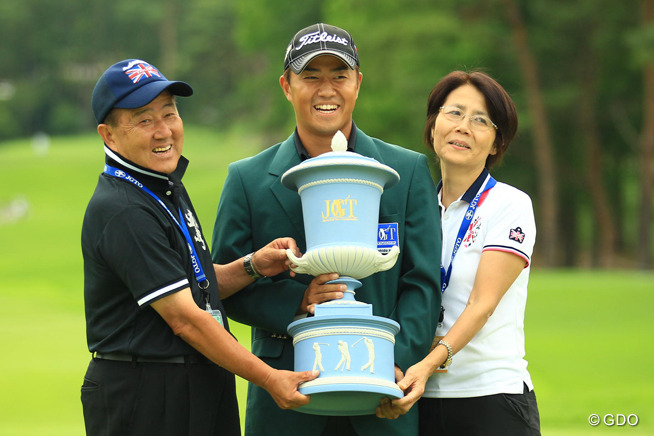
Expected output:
(517, 235)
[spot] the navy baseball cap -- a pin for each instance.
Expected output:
(320, 39)
(130, 84)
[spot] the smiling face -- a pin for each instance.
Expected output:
(151, 136)
(455, 142)
(323, 97)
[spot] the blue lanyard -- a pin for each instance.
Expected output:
(200, 277)
(467, 219)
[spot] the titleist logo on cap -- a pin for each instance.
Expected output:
(315, 37)
(316, 40)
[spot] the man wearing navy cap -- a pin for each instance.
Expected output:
(163, 355)
(321, 80)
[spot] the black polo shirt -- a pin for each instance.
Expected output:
(134, 254)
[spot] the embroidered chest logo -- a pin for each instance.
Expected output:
(517, 235)
(193, 224)
(473, 231)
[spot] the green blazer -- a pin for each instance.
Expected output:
(256, 208)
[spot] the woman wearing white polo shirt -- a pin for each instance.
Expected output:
(475, 379)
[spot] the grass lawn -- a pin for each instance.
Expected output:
(588, 332)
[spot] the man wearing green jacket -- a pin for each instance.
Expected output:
(321, 80)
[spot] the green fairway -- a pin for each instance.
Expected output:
(588, 332)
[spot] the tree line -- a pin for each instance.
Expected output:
(581, 74)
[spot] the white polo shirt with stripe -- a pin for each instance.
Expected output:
(493, 361)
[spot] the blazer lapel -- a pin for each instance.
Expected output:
(366, 147)
(288, 199)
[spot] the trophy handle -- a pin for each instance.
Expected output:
(302, 264)
(356, 262)
(385, 262)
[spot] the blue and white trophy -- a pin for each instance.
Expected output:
(353, 349)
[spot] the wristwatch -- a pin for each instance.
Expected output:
(448, 361)
(250, 268)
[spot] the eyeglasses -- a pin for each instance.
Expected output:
(477, 122)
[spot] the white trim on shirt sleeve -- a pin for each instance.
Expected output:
(151, 296)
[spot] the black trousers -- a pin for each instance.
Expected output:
(492, 415)
(176, 399)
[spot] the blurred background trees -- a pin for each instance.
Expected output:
(581, 73)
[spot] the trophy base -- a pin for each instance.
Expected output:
(346, 397)
(352, 349)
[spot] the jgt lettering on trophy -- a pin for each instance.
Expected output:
(339, 210)
(353, 349)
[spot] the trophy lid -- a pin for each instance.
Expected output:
(339, 158)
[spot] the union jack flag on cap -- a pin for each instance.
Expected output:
(141, 70)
